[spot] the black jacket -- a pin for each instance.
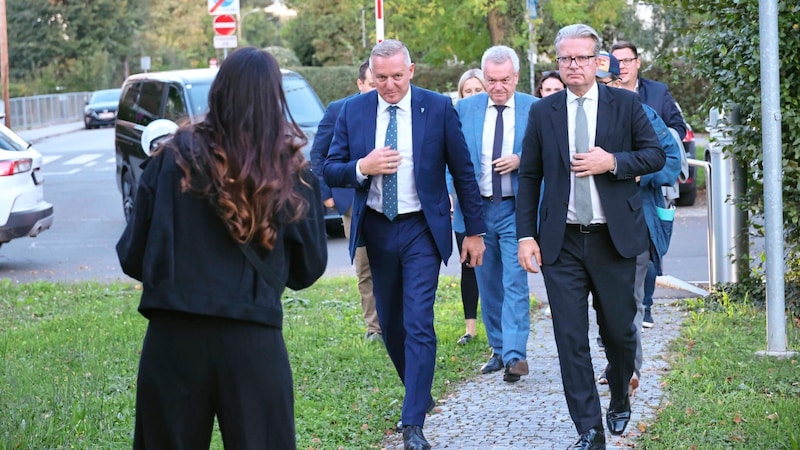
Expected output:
(181, 251)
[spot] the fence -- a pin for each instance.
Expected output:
(43, 110)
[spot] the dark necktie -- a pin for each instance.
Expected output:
(390, 180)
(497, 151)
(583, 195)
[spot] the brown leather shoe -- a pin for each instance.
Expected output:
(515, 369)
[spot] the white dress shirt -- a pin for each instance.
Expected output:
(407, 198)
(590, 108)
(489, 121)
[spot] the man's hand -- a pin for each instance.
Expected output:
(527, 250)
(380, 161)
(328, 203)
(472, 250)
(595, 162)
(506, 164)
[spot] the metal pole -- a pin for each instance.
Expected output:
(773, 199)
(711, 244)
(4, 62)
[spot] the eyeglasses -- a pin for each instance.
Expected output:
(627, 61)
(581, 61)
(505, 81)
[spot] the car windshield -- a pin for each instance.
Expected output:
(10, 141)
(111, 95)
(303, 103)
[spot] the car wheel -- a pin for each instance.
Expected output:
(334, 228)
(687, 197)
(128, 194)
(87, 122)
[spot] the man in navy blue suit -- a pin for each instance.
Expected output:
(393, 146)
(342, 199)
(588, 143)
(494, 124)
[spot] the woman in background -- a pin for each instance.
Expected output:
(549, 84)
(471, 83)
(217, 200)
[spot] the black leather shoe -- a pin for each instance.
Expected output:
(617, 418)
(594, 439)
(413, 439)
(515, 369)
(494, 364)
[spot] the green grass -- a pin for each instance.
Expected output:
(720, 394)
(69, 355)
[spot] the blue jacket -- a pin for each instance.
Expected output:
(472, 113)
(659, 219)
(656, 95)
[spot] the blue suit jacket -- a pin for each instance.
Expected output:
(342, 197)
(622, 129)
(472, 112)
(656, 95)
(437, 144)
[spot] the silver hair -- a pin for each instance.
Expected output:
(578, 31)
(388, 48)
(500, 54)
(471, 73)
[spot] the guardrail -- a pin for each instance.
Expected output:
(43, 110)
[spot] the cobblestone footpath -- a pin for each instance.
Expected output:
(489, 413)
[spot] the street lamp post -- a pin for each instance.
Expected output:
(242, 17)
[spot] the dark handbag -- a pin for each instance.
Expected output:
(261, 267)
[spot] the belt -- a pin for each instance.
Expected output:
(491, 198)
(591, 228)
(398, 217)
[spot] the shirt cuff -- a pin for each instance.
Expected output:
(360, 176)
(529, 238)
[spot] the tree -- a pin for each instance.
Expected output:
(725, 50)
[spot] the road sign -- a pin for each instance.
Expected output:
(225, 42)
(224, 25)
(220, 7)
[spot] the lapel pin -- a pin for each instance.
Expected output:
(422, 110)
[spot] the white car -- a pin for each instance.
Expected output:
(23, 211)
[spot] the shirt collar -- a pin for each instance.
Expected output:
(508, 104)
(593, 94)
(404, 103)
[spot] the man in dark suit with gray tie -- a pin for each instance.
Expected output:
(393, 147)
(587, 143)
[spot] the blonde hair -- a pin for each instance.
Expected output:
(469, 74)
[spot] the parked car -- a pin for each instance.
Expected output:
(23, 211)
(101, 109)
(182, 96)
(688, 187)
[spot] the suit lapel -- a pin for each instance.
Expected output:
(560, 126)
(479, 119)
(419, 113)
(604, 106)
(370, 116)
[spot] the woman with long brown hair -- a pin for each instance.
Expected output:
(227, 215)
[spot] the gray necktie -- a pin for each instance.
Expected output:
(390, 180)
(583, 195)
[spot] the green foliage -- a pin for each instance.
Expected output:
(284, 56)
(725, 49)
(69, 355)
(720, 394)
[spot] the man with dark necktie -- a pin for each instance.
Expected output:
(393, 146)
(587, 143)
(494, 124)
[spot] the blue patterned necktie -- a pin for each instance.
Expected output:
(390, 180)
(583, 195)
(497, 151)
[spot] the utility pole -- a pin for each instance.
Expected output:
(4, 61)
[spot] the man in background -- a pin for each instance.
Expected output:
(342, 200)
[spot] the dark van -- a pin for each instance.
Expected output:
(180, 96)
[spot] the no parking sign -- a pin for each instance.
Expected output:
(220, 7)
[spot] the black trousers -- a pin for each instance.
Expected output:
(589, 262)
(195, 367)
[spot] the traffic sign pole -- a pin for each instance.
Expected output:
(379, 20)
